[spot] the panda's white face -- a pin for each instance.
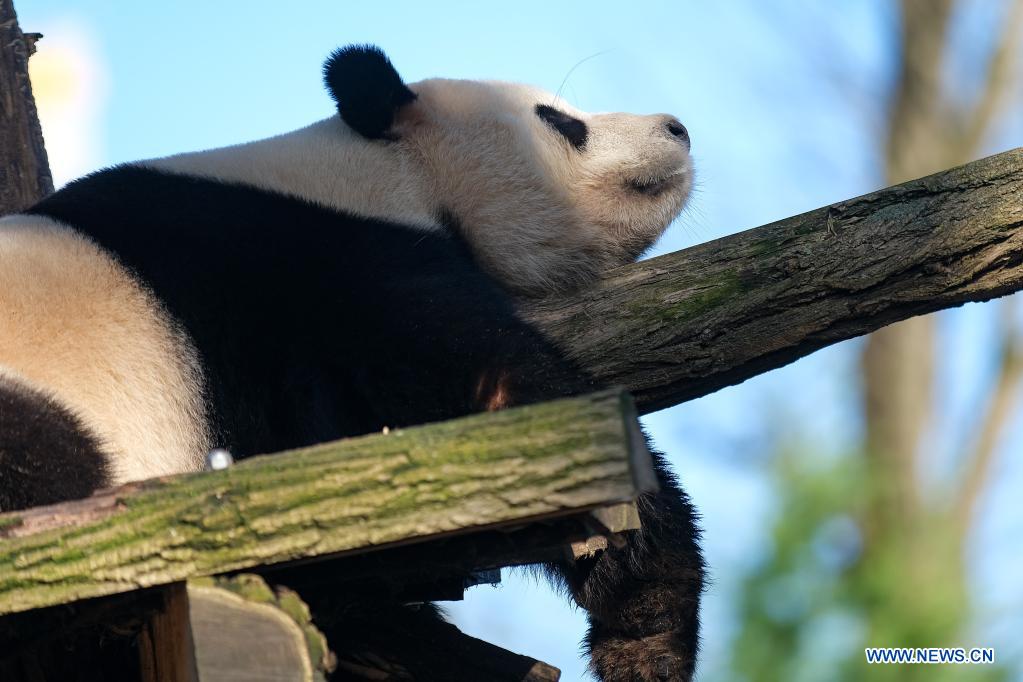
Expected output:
(546, 195)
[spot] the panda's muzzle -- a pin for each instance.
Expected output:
(669, 176)
(653, 188)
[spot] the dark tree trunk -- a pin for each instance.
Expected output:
(24, 170)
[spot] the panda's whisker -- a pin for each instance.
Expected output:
(557, 94)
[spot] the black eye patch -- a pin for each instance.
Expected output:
(570, 127)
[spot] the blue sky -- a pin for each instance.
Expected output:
(782, 103)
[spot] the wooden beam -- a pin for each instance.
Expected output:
(511, 467)
(442, 568)
(686, 324)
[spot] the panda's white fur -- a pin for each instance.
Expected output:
(326, 163)
(538, 213)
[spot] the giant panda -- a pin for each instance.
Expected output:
(357, 273)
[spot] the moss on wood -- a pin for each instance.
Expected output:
(542, 460)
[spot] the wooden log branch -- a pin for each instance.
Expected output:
(686, 324)
(517, 466)
(24, 171)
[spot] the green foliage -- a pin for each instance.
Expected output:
(846, 573)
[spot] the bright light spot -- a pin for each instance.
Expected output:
(70, 83)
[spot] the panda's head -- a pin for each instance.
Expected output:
(546, 196)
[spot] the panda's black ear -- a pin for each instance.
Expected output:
(366, 87)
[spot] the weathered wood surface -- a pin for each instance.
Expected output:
(245, 630)
(513, 466)
(24, 172)
(688, 323)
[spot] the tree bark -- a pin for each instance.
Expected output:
(24, 171)
(686, 324)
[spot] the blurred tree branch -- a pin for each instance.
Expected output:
(929, 128)
(1002, 73)
(999, 409)
(903, 578)
(913, 144)
(898, 361)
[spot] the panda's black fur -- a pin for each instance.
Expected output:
(313, 324)
(46, 453)
(366, 70)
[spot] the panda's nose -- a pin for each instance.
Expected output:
(677, 130)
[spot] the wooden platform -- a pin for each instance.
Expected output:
(407, 516)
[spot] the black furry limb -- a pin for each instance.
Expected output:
(46, 454)
(643, 597)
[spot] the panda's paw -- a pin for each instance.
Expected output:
(649, 635)
(662, 657)
(643, 595)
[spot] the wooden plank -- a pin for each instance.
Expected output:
(605, 525)
(510, 467)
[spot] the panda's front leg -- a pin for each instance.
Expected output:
(643, 598)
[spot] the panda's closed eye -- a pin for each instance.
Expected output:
(571, 128)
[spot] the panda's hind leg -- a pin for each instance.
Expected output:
(47, 454)
(643, 598)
